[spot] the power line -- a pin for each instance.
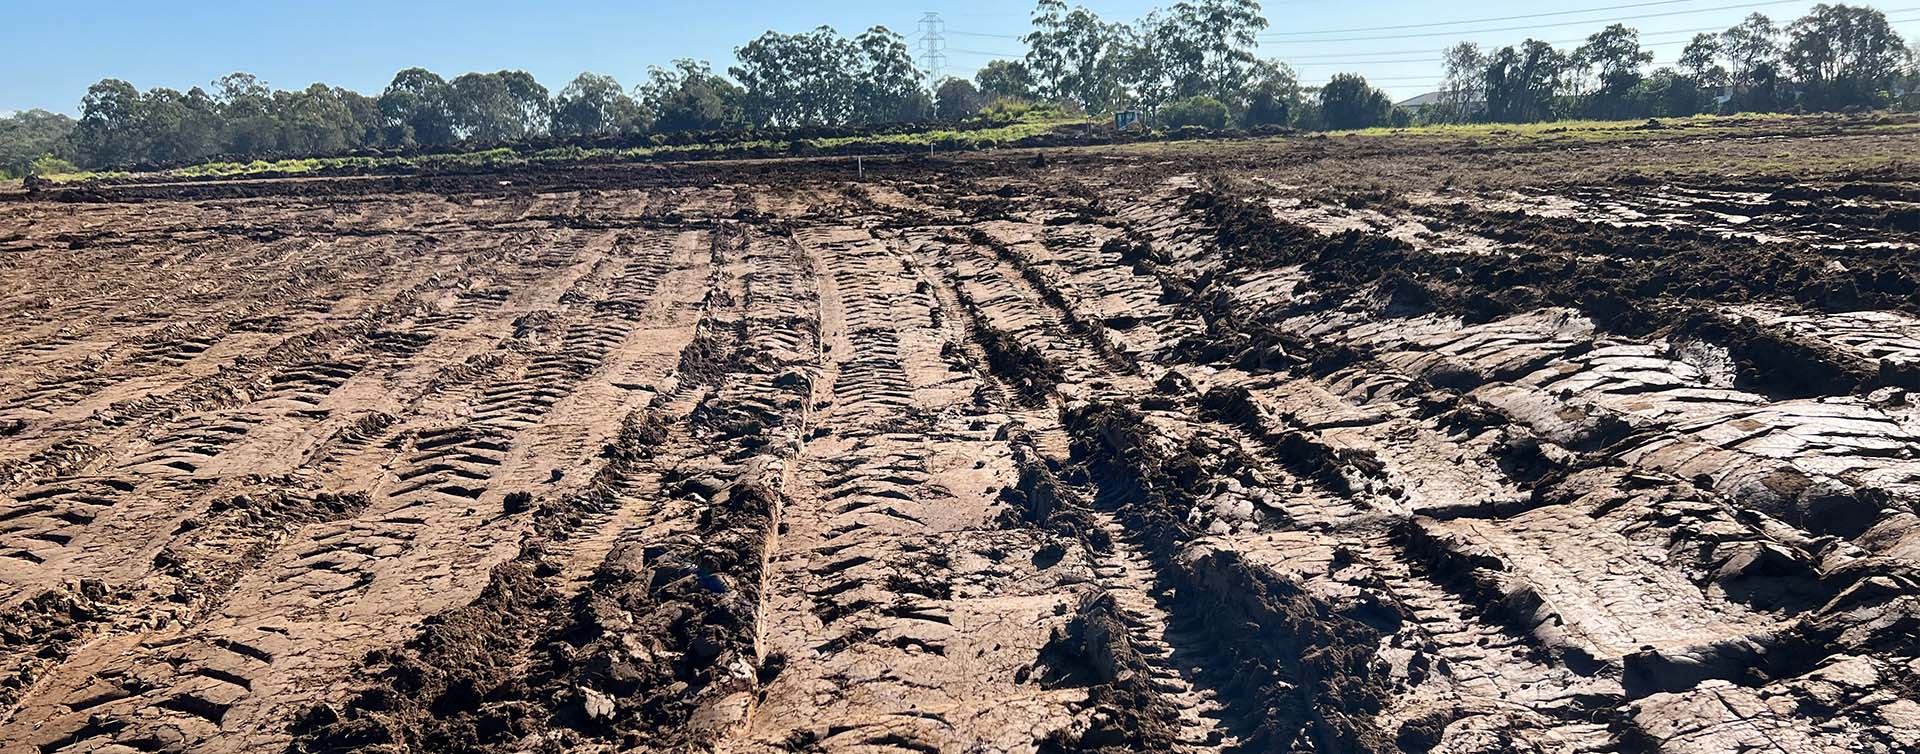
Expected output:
(1269, 37)
(1429, 54)
(987, 36)
(1432, 57)
(988, 54)
(1307, 41)
(1667, 32)
(1529, 27)
(1375, 61)
(1342, 55)
(1370, 57)
(1479, 20)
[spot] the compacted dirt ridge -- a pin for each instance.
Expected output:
(1399, 445)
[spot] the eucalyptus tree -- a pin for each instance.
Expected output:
(1009, 79)
(179, 127)
(1844, 56)
(1348, 101)
(1700, 60)
(1206, 47)
(1273, 95)
(798, 79)
(1463, 93)
(108, 133)
(367, 125)
(418, 108)
(887, 82)
(498, 106)
(1752, 50)
(957, 99)
(592, 105)
(313, 121)
(247, 123)
(28, 135)
(689, 97)
(1524, 84)
(1076, 57)
(1616, 55)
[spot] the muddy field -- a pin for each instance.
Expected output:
(1420, 445)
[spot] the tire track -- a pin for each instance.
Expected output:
(441, 472)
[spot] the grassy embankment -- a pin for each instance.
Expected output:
(1007, 133)
(1787, 159)
(1845, 144)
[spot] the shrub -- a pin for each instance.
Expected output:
(48, 164)
(1010, 110)
(1267, 105)
(1347, 101)
(1194, 111)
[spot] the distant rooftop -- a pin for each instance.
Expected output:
(1416, 101)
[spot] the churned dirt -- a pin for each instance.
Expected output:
(1382, 444)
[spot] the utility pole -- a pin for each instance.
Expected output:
(933, 47)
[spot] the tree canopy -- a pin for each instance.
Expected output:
(30, 135)
(689, 97)
(1349, 102)
(956, 99)
(592, 105)
(823, 79)
(1174, 64)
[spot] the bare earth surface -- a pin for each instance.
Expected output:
(1308, 445)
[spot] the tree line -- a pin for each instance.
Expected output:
(1198, 65)
(1193, 64)
(1835, 58)
(817, 78)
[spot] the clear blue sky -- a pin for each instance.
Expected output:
(55, 49)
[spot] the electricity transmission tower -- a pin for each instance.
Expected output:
(933, 46)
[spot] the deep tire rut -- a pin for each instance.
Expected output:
(1174, 647)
